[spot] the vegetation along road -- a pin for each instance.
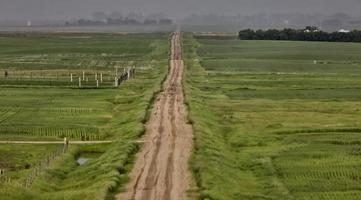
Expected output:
(161, 170)
(274, 120)
(42, 102)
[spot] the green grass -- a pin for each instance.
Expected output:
(271, 124)
(19, 159)
(47, 106)
(280, 56)
(52, 106)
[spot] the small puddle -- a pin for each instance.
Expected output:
(82, 161)
(84, 158)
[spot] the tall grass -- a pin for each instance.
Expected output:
(271, 124)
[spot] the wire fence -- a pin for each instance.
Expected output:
(67, 78)
(36, 169)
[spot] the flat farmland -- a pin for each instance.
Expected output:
(41, 100)
(274, 120)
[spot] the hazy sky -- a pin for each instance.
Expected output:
(68, 9)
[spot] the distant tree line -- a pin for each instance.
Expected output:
(308, 34)
(126, 21)
(116, 18)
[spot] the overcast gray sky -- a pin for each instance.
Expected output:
(68, 9)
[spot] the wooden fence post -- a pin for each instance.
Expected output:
(71, 77)
(79, 82)
(115, 82)
(128, 73)
(66, 144)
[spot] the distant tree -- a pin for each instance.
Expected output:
(291, 34)
(273, 34)
(307, 34)
(356, 35)
(165, 22)
(259, 35)
(150, 22)
(248, 34)
(81, 22)
(128, 21)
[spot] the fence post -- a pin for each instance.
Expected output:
(101, 77)
(97, 83)
(115, 82)
(66, 144)
(71, 77)
(128, 73)
(83, 75)
(79, 82)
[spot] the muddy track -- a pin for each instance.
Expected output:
(161, 167)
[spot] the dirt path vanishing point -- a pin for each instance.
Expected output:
(161, 167)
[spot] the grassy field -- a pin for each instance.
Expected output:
(38, 101)
(274, 120)
(20, 158)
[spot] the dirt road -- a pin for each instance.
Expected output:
(161, 168)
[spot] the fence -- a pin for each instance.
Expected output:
(126, 75)
(69, 78)
(84, 134)
(37, 169)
